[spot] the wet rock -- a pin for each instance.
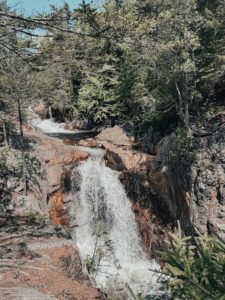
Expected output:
(189, 190)
(58, 160)
(57, 211)
(76, 180)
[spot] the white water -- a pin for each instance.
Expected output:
(50, 126)
(99, 196)
(47, 125)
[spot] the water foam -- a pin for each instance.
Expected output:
(99, 196)
(46, 125)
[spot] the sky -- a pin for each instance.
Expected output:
(32, 6)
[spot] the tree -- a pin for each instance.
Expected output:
(212, 52)
(195, 267)
(99, 92)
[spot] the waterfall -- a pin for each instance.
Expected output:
(46, 125)
(50, 126)
(99, 200)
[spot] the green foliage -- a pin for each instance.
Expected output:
(196, 267)
(92, 262)
(185, 144)
(35, 217)
(139, 60)
(10, 161)
(135, 297)
(99, 229)
(142, 61)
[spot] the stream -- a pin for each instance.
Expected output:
(104, 226)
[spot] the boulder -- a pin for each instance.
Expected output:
(79, 124)
(189, 190)
(54, 174)
(91, 143)
(114, 135)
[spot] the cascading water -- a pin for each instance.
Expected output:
(99, 201)
(104, 225)
(47, 125)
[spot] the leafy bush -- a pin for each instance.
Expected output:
(92, 262)
(35, 217)
(196, 267)
(10, 161)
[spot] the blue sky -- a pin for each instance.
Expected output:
(32, 6)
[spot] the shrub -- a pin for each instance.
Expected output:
(196, 267)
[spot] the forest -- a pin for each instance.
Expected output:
(156, 67)
(152, 63)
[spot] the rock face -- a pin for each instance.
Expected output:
(43, 269)
(38, 258)
(194, 193)
(58, 213)
(165, 188)
(115, 135)
(43, 191)
(77, 124)
(134, 168)
(58, 159)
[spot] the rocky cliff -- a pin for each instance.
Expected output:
(184, 180)
(179, 182)
(38, 258)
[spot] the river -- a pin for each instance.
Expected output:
(104, 226)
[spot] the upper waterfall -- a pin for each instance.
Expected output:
(46, 125)
(98, 197)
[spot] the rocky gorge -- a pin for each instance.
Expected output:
(166, 188)
(39, 260)
(162, 188)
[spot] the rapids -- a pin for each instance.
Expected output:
(105, 228)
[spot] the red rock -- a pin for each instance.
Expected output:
(91, 143)
(115, 135)
(58, 213)
(57, 157)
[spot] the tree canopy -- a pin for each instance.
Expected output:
(140, 61)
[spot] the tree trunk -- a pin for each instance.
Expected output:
(50, 111)
(10, 132)
(5, 134)
(20, 117)
(186, 115)
(24, 176)
(181, 114)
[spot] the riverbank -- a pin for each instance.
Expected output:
(39, 260)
